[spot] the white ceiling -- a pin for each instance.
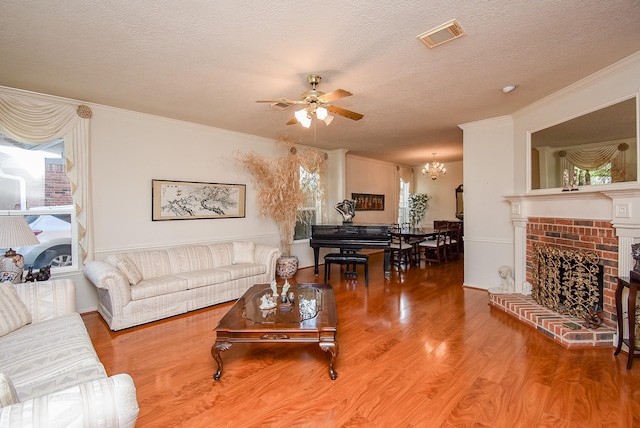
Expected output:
(209, 61)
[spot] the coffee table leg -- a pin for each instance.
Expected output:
(215, 353)
(333, 348)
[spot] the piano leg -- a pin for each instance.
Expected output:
(316, 255)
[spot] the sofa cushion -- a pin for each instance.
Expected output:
(244, 270)
(126, 265)
(8, 394)
(190, 258)
(243, 252)
(202, 278)
(151, 263)
(158, 286)
(36, 353)
(13, 313)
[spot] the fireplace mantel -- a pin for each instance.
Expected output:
(618, 205)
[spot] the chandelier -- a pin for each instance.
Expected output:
(305, 115)
(434, 169)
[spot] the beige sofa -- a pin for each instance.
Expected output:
(137, 287)
(50, 374)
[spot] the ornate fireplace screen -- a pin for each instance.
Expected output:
(567, 281)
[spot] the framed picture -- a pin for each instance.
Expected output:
(368, 202)
(187, 200)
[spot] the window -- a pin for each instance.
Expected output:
(311, 212)
(34, 183)
(601, 175)
(403, 210)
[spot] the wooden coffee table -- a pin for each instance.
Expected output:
(311, 318)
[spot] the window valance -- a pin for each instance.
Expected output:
(34, 119)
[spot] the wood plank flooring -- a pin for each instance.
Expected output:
(418, 350)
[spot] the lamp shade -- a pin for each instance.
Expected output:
(15, 232)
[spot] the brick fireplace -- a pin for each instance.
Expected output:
(605, 222)
(591, 235)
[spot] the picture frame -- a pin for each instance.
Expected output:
(368, 201)
(191, 200)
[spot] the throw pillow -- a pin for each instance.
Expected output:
(129, 268)
(8, 394)
(243, 252)
(13, 313)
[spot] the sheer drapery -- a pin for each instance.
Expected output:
(35, 120)
(594, 158)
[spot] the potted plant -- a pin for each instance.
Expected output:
(281, 194)
(418, 204)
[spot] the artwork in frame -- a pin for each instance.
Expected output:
(188, 200)
(368, 202)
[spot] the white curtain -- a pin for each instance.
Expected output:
(37, 120)
(594, 158)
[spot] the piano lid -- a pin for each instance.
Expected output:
(350, 230)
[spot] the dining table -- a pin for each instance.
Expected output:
(413, 236)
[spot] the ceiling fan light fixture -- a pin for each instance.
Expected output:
(321, 113)
(303, 117)
(327, 120)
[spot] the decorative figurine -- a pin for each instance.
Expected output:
(574, 182)
(285, 287)
(274, 288)
(30, 276)
(44, 273)
(267, 302)
(347, 209)
(506, 281)
(635, 253)
(565, 180)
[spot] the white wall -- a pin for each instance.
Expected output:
(130, 149)
(608, 86)
(488, 232)
(442, 205)
(365, 175)
(502, 143)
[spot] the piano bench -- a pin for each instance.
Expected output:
(346, 259)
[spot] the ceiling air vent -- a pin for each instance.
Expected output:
(281, 105)
(442, 34)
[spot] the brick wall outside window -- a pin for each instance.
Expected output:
(57, 187)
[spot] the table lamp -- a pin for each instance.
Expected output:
(14, 232)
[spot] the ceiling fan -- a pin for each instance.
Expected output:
(317, 103)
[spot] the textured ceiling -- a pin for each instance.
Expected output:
(209, 61)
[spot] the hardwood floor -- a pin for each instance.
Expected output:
(418, 350)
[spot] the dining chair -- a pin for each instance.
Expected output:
(401, 250)
(454, 239)
(435, 250)
(413, 241)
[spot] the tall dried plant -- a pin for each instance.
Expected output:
(280, 195)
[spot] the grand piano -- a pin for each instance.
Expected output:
(350, 237)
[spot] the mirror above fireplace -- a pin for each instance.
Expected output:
(597, 148)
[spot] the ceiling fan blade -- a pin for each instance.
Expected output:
(344, 112)
(334, 95)
(280, 104)
(292, 121)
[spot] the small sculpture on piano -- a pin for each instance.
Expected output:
(347, 209)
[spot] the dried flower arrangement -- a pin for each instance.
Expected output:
(280, 193)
